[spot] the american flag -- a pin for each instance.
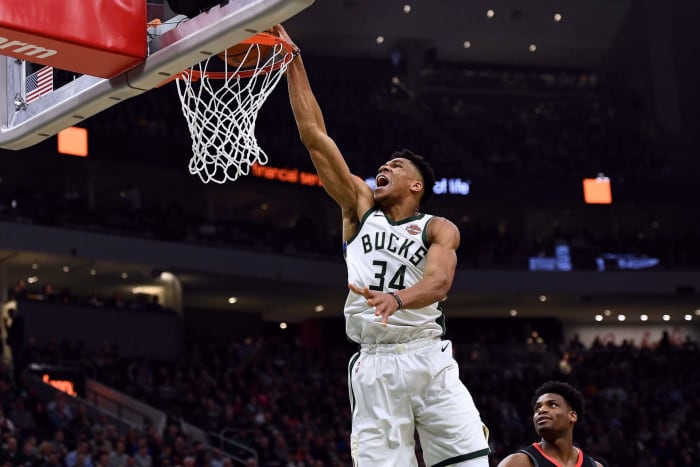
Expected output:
(39, 83)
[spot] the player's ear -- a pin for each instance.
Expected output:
(416, 186)
(573, 416)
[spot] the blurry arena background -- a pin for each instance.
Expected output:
(514, 105)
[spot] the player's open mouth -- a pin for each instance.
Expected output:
(382, 181)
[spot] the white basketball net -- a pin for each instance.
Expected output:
(221, 114)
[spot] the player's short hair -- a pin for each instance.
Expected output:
(425, 170)
(570, 394)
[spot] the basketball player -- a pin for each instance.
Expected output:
(557, 407)
(401, 263)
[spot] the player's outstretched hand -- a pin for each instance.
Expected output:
(384, 304)
(279, 31)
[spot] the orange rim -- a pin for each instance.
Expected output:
(262, 38)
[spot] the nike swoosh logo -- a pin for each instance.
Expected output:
(444, 347)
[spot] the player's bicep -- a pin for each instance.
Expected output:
(333, 170)
(441, 260)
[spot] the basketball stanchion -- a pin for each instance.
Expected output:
(221, 107)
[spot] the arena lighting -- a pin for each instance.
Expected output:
(93, 272)
(543, 298)
(283, 325)
(32, 279)
(319, 308)
(688, 317)
(380, 39)
(644, 317)
(73, 141)
(621, 317)
(66, 269)
(597, 190)
(467, 44)
(490, 13)
(606, 312)
(124, 275)
(167, 276)
(666, 317)
(62, 385)
(514, 313)
(697, 312)
(532, 48)
(232, 300)
(407, 8)
(598, 318)
(35, 266)
(147, 290)
(557, 17)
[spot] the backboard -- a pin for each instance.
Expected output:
(176, 43)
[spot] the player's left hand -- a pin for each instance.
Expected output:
(384, 304)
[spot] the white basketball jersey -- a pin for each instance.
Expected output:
(388, 256)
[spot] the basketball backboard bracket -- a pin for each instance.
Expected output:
(173, 46)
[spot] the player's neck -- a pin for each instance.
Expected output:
(560, 449)
(398, 213)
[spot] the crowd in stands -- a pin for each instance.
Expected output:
(482, 123)
(290, 402)
(493, 236)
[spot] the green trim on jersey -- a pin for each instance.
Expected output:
(463, 458)
(374, 209)
(441, 321)
(362, 222)
(420, 215)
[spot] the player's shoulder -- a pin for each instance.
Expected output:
(517, 459)
(443, 227)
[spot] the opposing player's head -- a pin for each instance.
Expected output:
(557, 406)
(405, 173)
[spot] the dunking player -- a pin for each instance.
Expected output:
(557, 407)
(401, 264)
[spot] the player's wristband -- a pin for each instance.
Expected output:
(398, 299)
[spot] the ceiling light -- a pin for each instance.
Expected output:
(66, 269)
(697, 312)
(35, 266)
(644, 317)
(232, 300)
(380, 39)
(407, 8)
(514, 312)
(319, 308)
(688, 317)
(532, 47)
(32, 279)
(606, 312)
(543, 298)
(598, 318)
(167, 276)
(666, 317)
(283, 325)
(490, 13)
(557, 17)
(467, 44)
(93, 272)
(124, 275)
(621, 317)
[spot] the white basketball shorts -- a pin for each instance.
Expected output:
(398, 388)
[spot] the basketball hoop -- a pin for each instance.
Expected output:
(221, 118)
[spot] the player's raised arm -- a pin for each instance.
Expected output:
(335, 175)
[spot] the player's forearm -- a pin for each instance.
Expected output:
(429, 290)
(307, 112)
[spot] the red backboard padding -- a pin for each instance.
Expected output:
(102, 38)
